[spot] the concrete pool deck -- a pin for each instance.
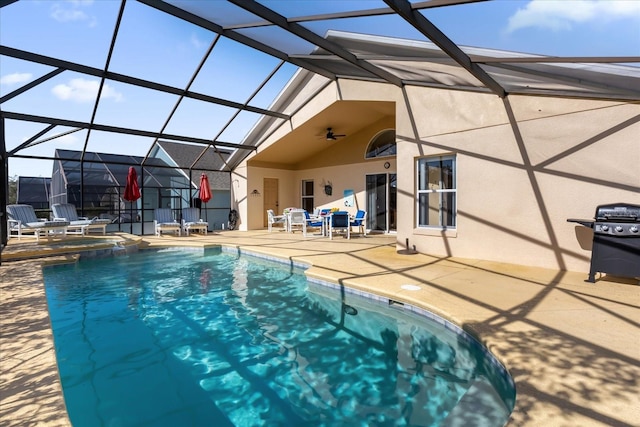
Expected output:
(572, 347)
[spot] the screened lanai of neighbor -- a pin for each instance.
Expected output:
(428, 115)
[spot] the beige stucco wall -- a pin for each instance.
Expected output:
(519, 178)
(524, 165)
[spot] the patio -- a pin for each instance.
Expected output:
(571, 346)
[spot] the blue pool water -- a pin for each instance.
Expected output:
(188, 338)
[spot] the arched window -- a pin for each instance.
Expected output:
(382, 145)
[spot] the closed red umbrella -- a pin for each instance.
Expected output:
(205, 189)
(205, 192)
(131, 190)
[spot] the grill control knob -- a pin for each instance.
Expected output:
(633, 229)
(619, 228)
(605, 228)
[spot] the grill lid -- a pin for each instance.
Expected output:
(618, 212)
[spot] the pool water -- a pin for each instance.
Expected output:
(210, 338)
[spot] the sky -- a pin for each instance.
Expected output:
(154, 46)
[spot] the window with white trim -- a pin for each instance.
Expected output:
(436, 192)
(382, 144)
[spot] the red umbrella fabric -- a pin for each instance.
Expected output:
(205, 189)
(131, 190)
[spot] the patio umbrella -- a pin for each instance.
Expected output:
(131, 190)
(205, 192)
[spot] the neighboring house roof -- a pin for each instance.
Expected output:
(214, 159)
(191, 156)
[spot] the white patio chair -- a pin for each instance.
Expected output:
(78, 224)
(22, 219)
(164, 222)
(275, 219)
(297, 219)
(191, 221)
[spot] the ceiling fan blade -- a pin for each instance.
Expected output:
(332, 136)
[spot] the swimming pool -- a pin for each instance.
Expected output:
(212, 338)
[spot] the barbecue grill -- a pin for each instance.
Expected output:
(616, 240)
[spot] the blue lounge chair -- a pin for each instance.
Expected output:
(22, 219)
(78, 224)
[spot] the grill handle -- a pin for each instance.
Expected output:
(619, 218)
(585, 222)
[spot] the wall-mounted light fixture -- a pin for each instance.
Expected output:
(255, 193)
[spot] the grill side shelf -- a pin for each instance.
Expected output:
(585, 222)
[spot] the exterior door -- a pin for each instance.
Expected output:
(270, 200)
(381, 202)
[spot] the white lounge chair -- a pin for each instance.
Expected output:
(191, 221)
(275, 219)
(22, 219)
(78, 224)
(165, 223)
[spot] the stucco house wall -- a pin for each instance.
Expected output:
(524, 165)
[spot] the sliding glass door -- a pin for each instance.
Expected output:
(381, 202)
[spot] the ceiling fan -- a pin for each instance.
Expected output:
(332, 136)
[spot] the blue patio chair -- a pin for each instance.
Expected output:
(78, 224)
(191, 221)
(360, 221)
(164, 222)
(317, 222)
(22, 219)
(340, 221)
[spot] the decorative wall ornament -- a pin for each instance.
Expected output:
(328, 188)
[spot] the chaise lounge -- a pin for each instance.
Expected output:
(22, 219)
(164, 222)
(78, 224)
(191, 221)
